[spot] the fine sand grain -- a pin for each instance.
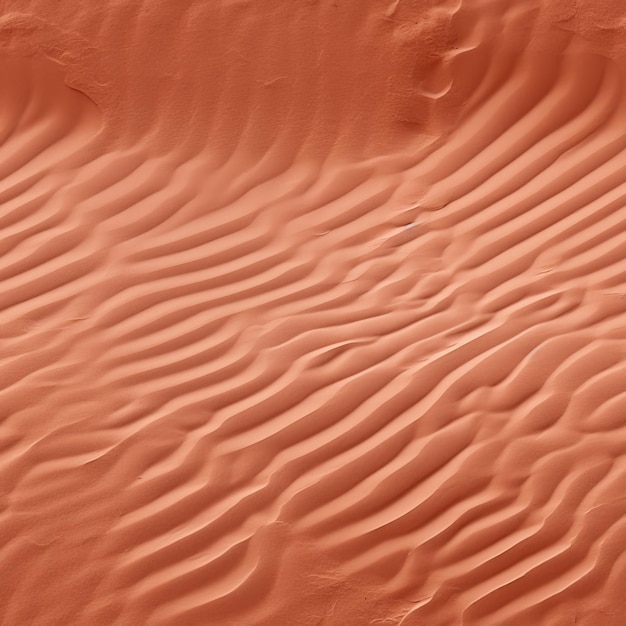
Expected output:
(313, 313)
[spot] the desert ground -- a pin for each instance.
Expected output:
(313, 313)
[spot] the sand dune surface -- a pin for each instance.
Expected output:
(313, 313)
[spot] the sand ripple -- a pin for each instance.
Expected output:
(262, 366)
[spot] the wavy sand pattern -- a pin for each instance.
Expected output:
(313, 313)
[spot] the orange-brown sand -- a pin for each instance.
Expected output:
(313, 313)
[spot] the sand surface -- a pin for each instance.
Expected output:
(313, 313)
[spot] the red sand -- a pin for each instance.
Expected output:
(313, 313)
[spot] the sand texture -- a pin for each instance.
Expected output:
(313, 313)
